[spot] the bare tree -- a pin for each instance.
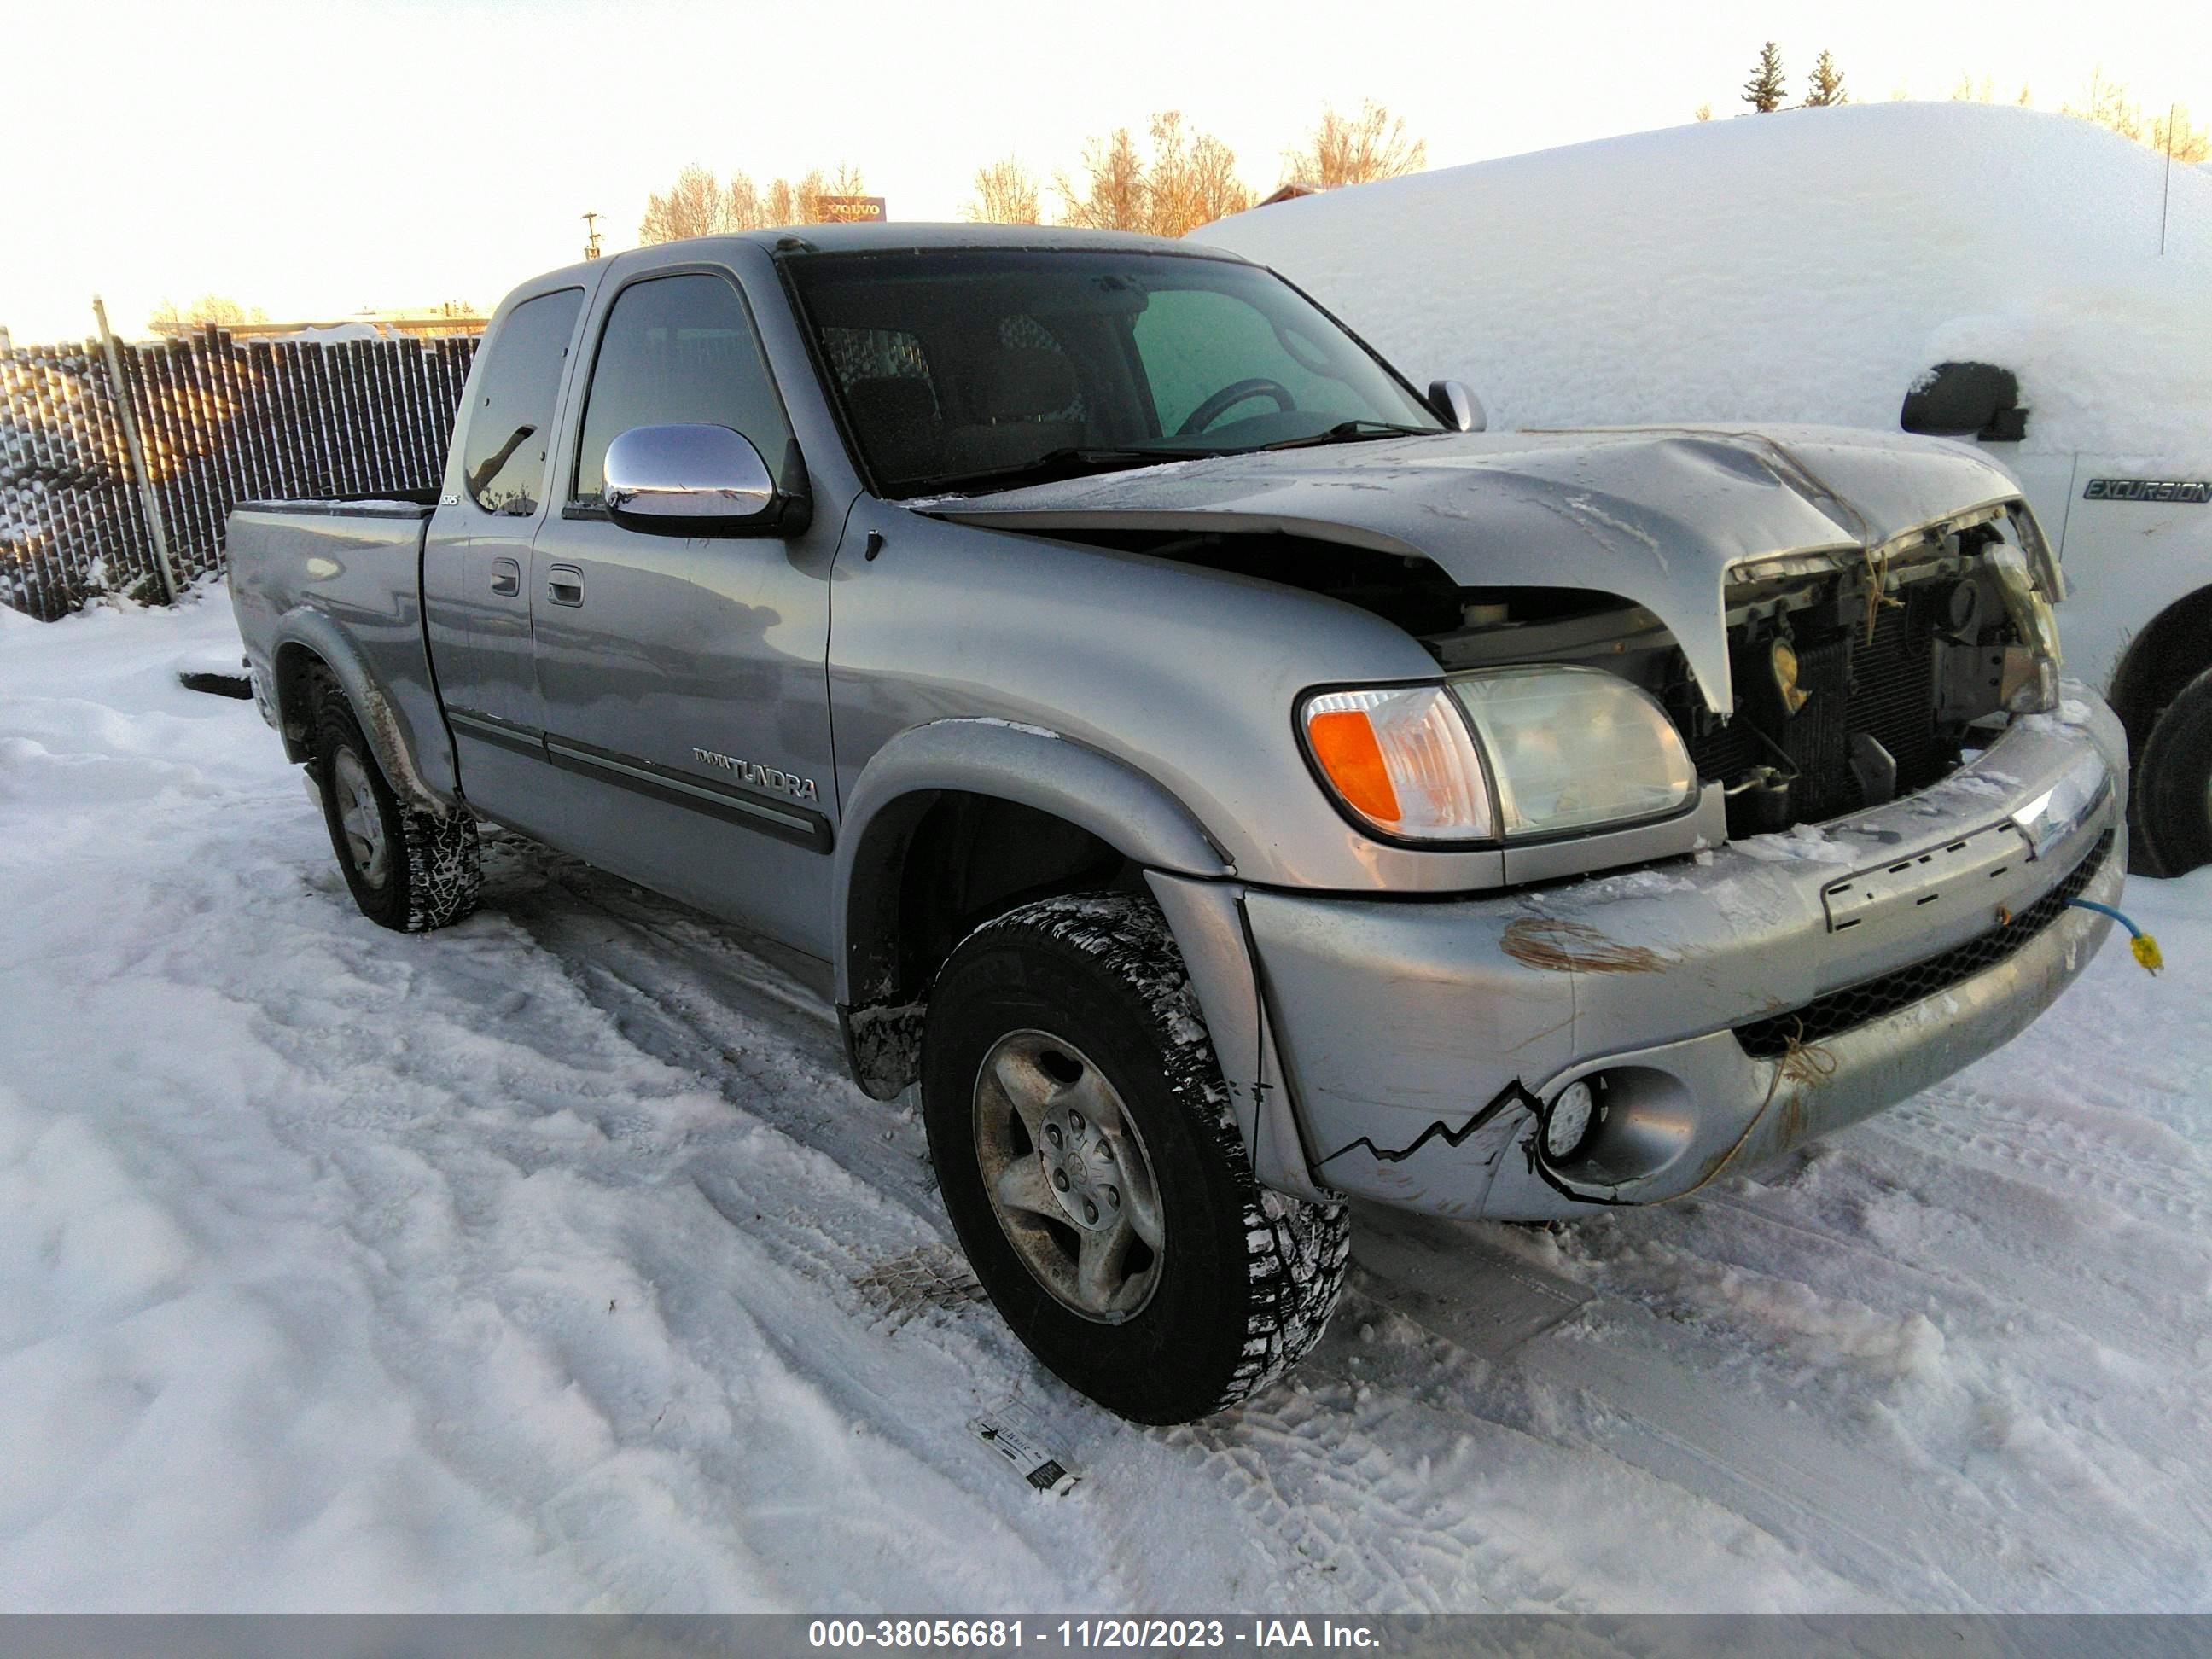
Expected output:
(218, 309)
(1113, 196)
(1703, 112)
(695, 206)
(2108, 103)
(1006, 194)
(2172, 131)
(699, 204)
(741, 204)
(1188, 179)
(1191, 182)
(807, 193)
(1355, 150)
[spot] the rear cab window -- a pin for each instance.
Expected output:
(511, 425)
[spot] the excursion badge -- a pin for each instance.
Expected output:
(2194, 492)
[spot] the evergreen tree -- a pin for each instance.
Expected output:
(1827, 83)
(1763, 92)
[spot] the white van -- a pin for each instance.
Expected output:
(2026, 283)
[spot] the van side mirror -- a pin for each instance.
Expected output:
(1456, 407)
(1965, 400)
(697, 480)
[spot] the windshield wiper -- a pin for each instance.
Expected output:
(1068, 463)
(1355, 432)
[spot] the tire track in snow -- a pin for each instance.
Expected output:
(401, 1181)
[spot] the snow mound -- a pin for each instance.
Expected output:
(1806, 266)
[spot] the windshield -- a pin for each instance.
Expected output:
(987, 368)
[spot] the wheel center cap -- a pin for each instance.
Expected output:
(1079, 1166)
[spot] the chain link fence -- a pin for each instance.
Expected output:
(218, 422)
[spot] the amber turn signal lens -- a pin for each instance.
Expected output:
(1344, 743)
(1401, 758)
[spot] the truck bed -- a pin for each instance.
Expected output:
(356, 564)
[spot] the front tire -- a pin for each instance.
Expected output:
(408, 870)
(1095, 1175)
(2173, 783)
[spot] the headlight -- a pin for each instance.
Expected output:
(1569, 749)
(1401, 758)
(1575, 748)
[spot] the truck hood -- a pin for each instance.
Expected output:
(1659, 517)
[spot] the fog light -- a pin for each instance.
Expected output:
(1568, 1125)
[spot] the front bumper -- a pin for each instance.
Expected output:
(1732, 1006)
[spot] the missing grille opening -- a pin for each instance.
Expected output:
(1871, 999)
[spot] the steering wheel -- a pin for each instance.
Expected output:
(1228, 397)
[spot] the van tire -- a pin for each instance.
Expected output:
(1245, 1278)
(2173, 784)
(408, 870)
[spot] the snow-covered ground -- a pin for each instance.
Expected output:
(550, 1263)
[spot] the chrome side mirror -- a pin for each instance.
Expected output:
(694, 481)
(1456, 407)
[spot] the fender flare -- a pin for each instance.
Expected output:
(315, 634)
(1188, 873)
(1025, 764)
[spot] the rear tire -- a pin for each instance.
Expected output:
(409, 870)
(1072, 1017)
(2173, 783)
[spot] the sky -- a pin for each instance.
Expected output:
(318, 160)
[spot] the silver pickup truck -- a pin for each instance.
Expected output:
(1223, 779)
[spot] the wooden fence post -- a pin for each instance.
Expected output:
(144, 481)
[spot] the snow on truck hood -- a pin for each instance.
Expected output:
(1658, 516)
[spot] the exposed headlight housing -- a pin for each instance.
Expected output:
(2031, 681)
(1567, 750)
(1574, 749)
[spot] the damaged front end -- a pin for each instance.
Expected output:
(1713, 1011)
(1854, 681)
(1826, 617)
(1867, 885)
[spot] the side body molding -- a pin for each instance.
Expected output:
(416, 753)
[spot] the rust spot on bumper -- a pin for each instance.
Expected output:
(1560, 947)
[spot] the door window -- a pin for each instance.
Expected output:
(678, 350)
(510, 428)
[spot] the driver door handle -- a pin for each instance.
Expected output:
(564, 584)
(506, 576)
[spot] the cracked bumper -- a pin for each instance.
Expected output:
(1733, 1009)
